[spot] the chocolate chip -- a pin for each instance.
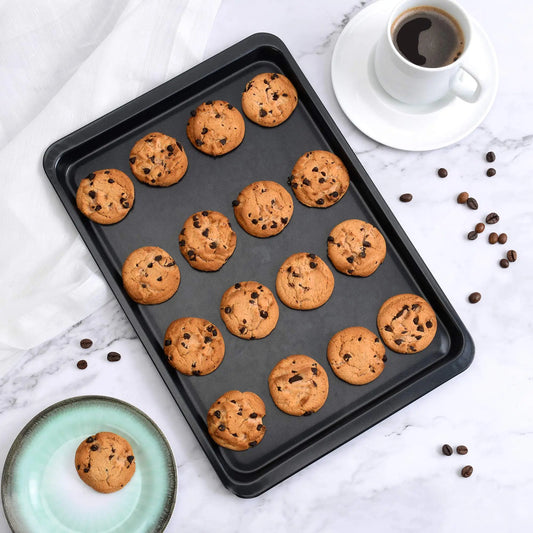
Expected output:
(253, 415)
(94, 447)
(92, 194)
(442, 172)
(146, 170)
(186, 335)
(86, 343)
(130, 458)
(110, 180)
(227, 310)
(113, 357)
(330, 239)
(213, 245)
(82, 364)
(254, 221)
(462, 198)
(474, 297)
(387, 328)
(312, 264)
(262, 113)
(491, 172)
(235, 203)
(217, 413)
(429, 324)
(230, 106)
(89, 440)
(204, 131)
(199, 142)
(168, 342)
(294, 378)
(315, 169)
(263, 314)
(320, 201)
(196, 224)
(284, 220)
(182, 243)
(132, 160)
(254, 295)
(334, 194)
(207, 340)
(237, 285)
(346, 356)
(193, 113)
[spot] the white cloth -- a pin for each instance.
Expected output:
(64, 63)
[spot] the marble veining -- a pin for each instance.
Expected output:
(393, 477)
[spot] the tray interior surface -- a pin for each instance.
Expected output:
(212, 183)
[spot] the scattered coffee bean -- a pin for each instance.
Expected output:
(442, 172)
(472, 235)
(493, 238)
(474, 297)
(447, 449)
(467, 471)
(491, 172)
(490, 157)
(113, 357)
(462, 450)
(472, 203)
(82, 365)
(504, 263)
(86, 343)
(502, 239)
(480, 227)
(512, 256)
(492, 218)
(462, 198)
(407, 197)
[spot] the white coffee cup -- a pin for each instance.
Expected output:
(414, 84)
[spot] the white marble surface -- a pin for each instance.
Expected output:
(392, 477)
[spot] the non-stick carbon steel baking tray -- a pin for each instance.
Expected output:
(290, 443)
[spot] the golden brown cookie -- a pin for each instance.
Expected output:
(356, 248)
(105, 462)
(298, 385)
(207, 240)
(194, 346)
(407, 323)
(105, 196)
(269, 99)
(319, 179)
(249, 310)
(304, 281)
(158, 159)
(215, 127)
(235, 420)
(356, 355)
(263, 208)
(150, 275)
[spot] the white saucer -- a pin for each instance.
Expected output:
(389, 121)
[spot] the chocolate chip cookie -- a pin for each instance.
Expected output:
(249, 310)
(269, 99)
(298, 385)
(105, 462)
(304, 281)
(235, 420)
(356, 355)
(105, 196)
(215, 127)
(207, 240)
(263, 208)
(319, 179)
(407, 323)
(356, 248)
(158, 159)
(150, 275)
(194, 346)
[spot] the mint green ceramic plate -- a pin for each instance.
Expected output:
(41, 491)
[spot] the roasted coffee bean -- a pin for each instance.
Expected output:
(462, 450)
(502, 239)
(491, 172)
(447, 449)
(512, 256)
(490, 157)
(504, 263)
(480, 227)
(407, 197)
(472, 203)
(492, 218)
(467, 471)
(86, 343)
(472, 235)
(113, 357)
(462, 198)
(474, 297)
(82, 365)
(442, 172)
(493, 238)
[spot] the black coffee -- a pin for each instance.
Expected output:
(428, 37)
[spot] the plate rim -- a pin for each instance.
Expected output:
(18, 444)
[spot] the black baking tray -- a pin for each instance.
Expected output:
(290, 443)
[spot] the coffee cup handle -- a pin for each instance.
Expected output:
(466, 85)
